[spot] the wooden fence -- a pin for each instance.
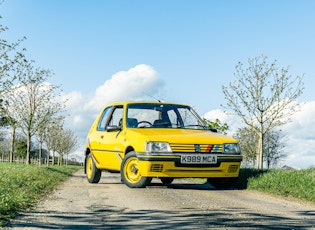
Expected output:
(43, 161)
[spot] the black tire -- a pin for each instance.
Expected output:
(223, 182)
(166, 180)
(131, 174)
(93, 174)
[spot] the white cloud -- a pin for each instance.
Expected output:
(299, 134)
(133, 84)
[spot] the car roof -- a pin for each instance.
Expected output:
(143, 102)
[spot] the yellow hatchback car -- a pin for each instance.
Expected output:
(145, 140)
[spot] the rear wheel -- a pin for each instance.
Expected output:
(131, 173)
(223, 182)
(93, 174)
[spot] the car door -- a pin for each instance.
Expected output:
(109, 136)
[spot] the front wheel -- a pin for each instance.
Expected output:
(93, 174)
(223, 182)
(131, 173)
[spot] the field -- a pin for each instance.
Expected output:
(22, 186)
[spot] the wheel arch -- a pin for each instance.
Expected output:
(129, 149)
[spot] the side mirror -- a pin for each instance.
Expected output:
(113, 128)
(213, 130)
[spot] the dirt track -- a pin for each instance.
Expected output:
(112, 205)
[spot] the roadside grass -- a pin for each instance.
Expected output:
(21, 186)
(290, 183)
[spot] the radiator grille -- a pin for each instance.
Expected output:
(202, 148)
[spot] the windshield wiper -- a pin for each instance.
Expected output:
(202, 126)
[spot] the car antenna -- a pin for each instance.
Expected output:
(153, 97)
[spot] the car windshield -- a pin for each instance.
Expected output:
(163, 116)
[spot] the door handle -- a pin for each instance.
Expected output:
(102, 136)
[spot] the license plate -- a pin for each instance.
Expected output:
(198, 159)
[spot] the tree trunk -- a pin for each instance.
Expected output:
(28, 150)
(53, 158)
(12, 149)
(40, 153)
(253, 162)
(260, 151)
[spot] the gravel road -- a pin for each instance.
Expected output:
(182, 205)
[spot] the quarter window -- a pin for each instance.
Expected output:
(116, 117)
(102, 124)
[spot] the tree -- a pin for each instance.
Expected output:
(52, 135)
(264, 97)
(4, 147)
(9, 59)
(21, 148)
(33, 102)
(7, 120)
(43, 134)
(273, 148)
(10, 66)
(247, 139)
(217, 125)
(67, 142)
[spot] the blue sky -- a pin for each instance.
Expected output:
(191, 46)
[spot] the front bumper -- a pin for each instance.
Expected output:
(166, 165)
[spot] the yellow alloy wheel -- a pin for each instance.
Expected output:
(131, 173)
(89, 165)
(93, 174)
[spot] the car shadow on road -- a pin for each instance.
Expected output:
(111, 217)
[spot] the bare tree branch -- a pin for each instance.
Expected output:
(264, 96)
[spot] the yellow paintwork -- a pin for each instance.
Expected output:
(109, 148)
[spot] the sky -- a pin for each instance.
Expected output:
(179, 51)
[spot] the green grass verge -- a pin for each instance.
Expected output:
(21, 186)
(290, 183)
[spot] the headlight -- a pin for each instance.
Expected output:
(231, 148)
(157, 147)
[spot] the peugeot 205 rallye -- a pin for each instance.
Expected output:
(145, 140)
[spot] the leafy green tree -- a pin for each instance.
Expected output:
(264, 96)
(21, 148)
(217, 125)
